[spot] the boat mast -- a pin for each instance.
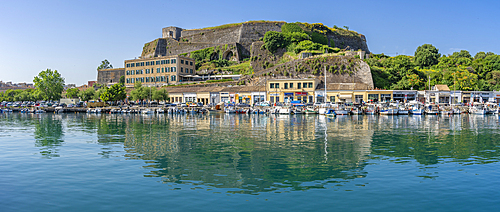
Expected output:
(325, 86)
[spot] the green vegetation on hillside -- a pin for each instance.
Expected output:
(298, 37)
(243, 68)
(459, 70)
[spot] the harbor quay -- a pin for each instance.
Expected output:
(296, 96)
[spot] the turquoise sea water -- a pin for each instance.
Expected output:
(222, 162)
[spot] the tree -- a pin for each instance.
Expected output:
(139, 92)
(461, 54)
(87, 95)
(27, 95)
(50, 84)
(72, 93)
(105, 65)
(122, 80)
(426, 55)
(97, 94)
(274, 40)
(117, 92)
(160, 95)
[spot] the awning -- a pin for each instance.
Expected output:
(300, 93)
(288, 94)
(345, 97)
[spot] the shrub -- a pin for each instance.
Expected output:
(307, 45)
(319, 38)
(291, 27)
(274, 40)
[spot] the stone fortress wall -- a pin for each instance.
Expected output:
(110, 76)
(176, 40)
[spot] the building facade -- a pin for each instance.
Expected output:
(110, 76)
(159, 71)
(287, 90)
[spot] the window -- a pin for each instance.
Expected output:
(137, 64)
(277, 85)
(182, 61)
(127, 73)
(373, 97)
(174, 69)
(157, 62)
(168, 62)
(191, 71)
(132, 64)
(173, 61)
(298, 85)
(310, 85)
(286, 85)
(161, 70)
(142, 63)
(157, 70)
(385, 97)
(358, 98)
(147, 71)
(191, 63)
(128, 65)
(142, 71)
(271, 85)
(147, 63)
(277, 99)
(172, 78)
(332, 98)
(291, 85)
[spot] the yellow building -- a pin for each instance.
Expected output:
(287, 90)
(351, 92)
(159, 71)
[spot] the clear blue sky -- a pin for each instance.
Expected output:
(73, 37)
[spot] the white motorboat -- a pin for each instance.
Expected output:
(432, 109)
(340, 109)
(416, 107)
(477, 108)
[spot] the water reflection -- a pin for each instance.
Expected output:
(275, 153)
(249, 153)
(48, 134)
